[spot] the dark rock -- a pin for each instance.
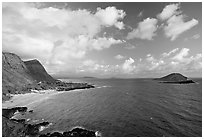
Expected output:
(12, 129)
(8, 113)
(33, 130)
(20, 109)
(30, 111)
(79, 132)
(76, 132)
(56, 134)
(42, 124)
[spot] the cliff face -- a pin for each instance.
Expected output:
(37, 71)
(16, 73)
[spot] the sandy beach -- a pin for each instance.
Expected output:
(29, 99)
(33, 98)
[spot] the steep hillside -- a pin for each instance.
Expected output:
(17, 74)
(37, 71)
(14, 74)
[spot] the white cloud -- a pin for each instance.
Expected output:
(169, 53)
(175, 21)
(32, 32)
(182, 54)
(181, 61)
(176, 26)
(168, 11)
(110, 16)
(128, 66)
(119, 57)
(145, 30)
(91, 66)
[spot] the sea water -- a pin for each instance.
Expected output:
(126, 107)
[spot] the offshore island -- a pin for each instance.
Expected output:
(175, 78)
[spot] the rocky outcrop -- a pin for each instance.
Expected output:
(175, 78)
(19, 128)
(8, 113)
(76, 132)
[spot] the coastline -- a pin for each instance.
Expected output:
(32, 97)
(13, 108)
(29, 98)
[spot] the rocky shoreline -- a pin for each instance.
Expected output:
(12, 127)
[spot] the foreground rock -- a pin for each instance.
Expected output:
(19, 128)
(8, 113)
(76, 132)
(175, 78)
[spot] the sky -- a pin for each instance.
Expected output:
(125, 40)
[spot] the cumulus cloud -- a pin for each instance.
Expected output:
(176, 26)
(175, 21)
(146, 29)
(92, 66)
(119, 57)
(56, 36)
(168, 11)
(181, 61)
(111, 16)
(128, 66)
(177, 60)
(182, 54)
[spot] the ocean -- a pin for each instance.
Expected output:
(126, 108)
